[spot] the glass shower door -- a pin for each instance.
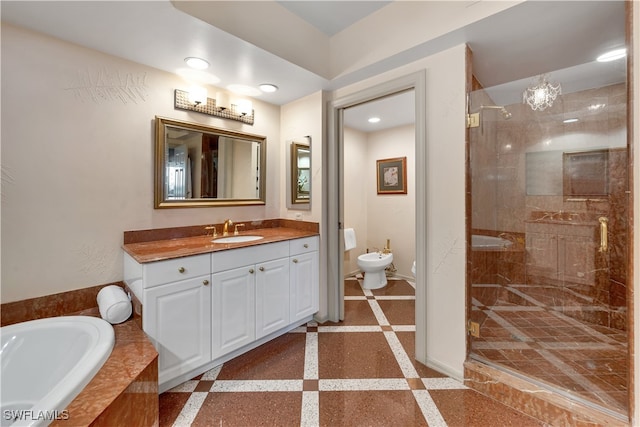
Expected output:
(548, 260)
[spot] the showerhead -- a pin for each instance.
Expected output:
(507, 115)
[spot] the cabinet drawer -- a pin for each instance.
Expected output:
(304, 245)
(158, 273)
(234, 258)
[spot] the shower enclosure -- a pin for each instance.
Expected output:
(548, 291)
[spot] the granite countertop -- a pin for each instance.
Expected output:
(160, 250)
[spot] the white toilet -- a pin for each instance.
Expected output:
(373, 265)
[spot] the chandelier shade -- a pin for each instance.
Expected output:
(541, 95)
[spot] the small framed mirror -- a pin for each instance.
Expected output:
(300, 172)
(199, 165)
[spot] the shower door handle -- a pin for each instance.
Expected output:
(604, 239)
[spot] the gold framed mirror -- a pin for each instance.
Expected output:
(300, 172)
(198, 165)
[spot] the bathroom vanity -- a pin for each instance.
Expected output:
(215, 301)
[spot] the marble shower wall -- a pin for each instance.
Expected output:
(501, 206)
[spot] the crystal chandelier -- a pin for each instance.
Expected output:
(542, 95)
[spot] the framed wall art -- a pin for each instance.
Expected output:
(392, 175)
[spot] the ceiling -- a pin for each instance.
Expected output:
(522, 40)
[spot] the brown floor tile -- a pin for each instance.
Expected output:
(396, 288)
(352, 288)
(356, 313)
(170, 406)
(371, 408)
(356, 355)
(468, 408)
(281, 358)
(250, 409)
(399, 312)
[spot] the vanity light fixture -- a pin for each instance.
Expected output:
(196, 63)
(374, 119)
(612, 55)
(208, 106)
(268, 87)
(541, 95)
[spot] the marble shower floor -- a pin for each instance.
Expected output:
(522, 332)
(360, 372)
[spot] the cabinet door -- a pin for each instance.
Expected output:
(578, 257)
(304, 285)
(233, 309)
(177, 319)
(272, 296)
(542, 255)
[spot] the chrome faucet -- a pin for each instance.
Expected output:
(225, 229)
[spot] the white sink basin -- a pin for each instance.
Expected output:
(237, 239)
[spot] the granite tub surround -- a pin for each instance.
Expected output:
(126, 387)
(61, 304)
(125, 390)
(162, 244)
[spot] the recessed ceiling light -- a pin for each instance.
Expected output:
(374, 119)
(570, 120)
(612, 55)
(197, 63)
(268, 87)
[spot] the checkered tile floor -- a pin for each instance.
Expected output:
(357, 372)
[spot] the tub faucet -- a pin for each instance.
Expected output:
(225, 230)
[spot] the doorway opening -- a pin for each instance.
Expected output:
(335, 213)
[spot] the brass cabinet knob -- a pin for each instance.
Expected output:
(261, 269)
(205, 282)
(295, 260)
(306, 245)
(251, 271)
(181, 270)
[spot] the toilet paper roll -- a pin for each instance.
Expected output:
(114, 304)
(349, 239)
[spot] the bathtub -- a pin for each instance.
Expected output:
(46, 363)
(489, 242)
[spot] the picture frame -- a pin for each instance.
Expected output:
(391, 175)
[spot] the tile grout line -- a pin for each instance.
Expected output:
(190, 409)
(310, 408)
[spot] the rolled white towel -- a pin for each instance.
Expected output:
(114, 304)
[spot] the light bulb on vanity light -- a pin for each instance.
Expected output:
(197, 95)
(222, 100)
(244, 107)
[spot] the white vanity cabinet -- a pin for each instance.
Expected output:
(304, 278)
(202, 310)
(249, 301)
(176, 298)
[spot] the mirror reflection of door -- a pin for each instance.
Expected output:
(209, 171)
(300, 173)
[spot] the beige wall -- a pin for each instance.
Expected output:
(375, 217)
(77, 162)
(355, 195)
(444, 278)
